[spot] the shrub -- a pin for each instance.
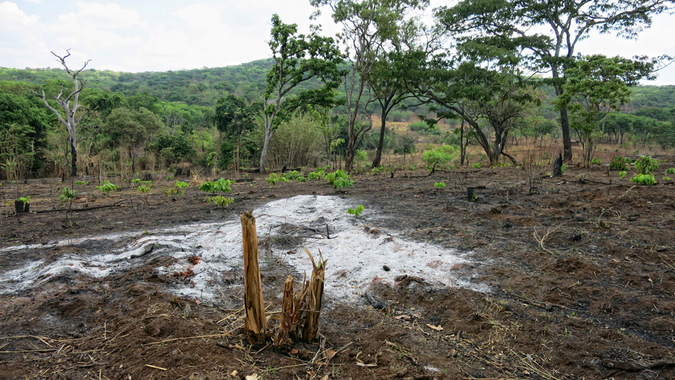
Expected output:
(476, 165)
(644, 179)
(646, 165)
(670, 171)
(596, 161)
(144, 188)
(274, 178)
(618, 163)
(292, 175)
(222, 185)
(67, 195)
(339, 179)
(442, 155)
(220, 201)
(622, 174)
(107, 186)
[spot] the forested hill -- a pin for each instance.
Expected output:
(194, 87)
(205, 86)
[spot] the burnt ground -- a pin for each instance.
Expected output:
(582, 279)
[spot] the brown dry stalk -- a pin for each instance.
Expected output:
(282, 336)
(255, 323)
(316, 283)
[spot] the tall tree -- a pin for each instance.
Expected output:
(297, 59)
(234, 118)
(550, 30)
(69, 105)
(367, 26)
(596, 85)
(131, 129)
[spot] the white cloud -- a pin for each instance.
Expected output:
(12, 17)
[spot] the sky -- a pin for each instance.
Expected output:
(137, 36)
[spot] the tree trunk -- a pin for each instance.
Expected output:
(380, 145)
(567, 139)
(73, 150)
(349, 156)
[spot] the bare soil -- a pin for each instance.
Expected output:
(581, 272)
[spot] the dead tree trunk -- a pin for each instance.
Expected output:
(255, 324)
(69, 117)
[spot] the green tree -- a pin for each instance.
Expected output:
(595, 85)
(131, 129)
(23, 128)
(480, 84)
(367, 26)
(234, 118)
(297, 59)
(548, 31)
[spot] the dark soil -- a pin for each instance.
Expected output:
(581, 271)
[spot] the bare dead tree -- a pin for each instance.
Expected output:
(70, 104)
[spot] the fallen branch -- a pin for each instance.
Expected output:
(117, 204)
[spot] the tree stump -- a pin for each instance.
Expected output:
(255, 323)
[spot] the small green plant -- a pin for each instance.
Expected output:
(81, 183)
(67, 195)
(563, 168)
(439, 185)
(319, 173)
(301, 179)
(644, 179)
(670, 171)
(440, 156)
(144, 188)
(476, 165)
(136, 181)
(221, 185)
(622, 174)
(618, 163)
(182, 185)
(666, 178)
(106, 187)
(646, 165)
(220, 201)
(292, 175)
(596, 161)
(274, 178)
(25, 199)
(360, 155)
(169, 177)
(357, 211)
(339, 179)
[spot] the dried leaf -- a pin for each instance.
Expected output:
(253, 377)
(437, 328)
(330, 354)
(403, 317)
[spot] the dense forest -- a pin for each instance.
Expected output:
(316, 104)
